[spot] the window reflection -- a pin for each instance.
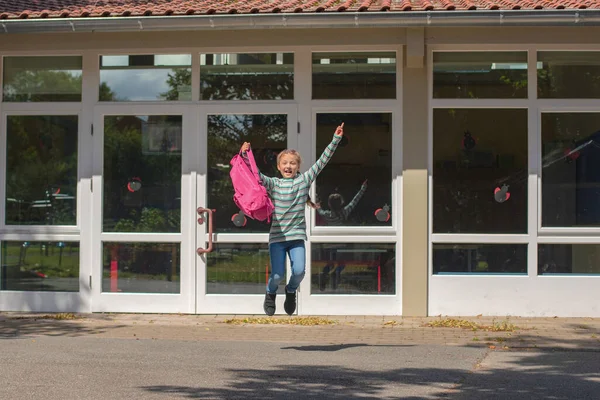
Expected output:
(42, 79)
(247, 76)
(568, 75)
(357, 75)
(479, 75)
(569, 259)
(479, 171)
(480, 258)
(268, 135)
(141, 267)
(40, 266)
(41, 170)
(355, 187)
(238, 269)
(146, 77)
(353, 268)
(142, 173)
(570, 169)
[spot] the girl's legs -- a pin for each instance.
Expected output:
(277, 253)
(297, 253)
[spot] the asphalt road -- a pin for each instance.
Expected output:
(81, 368)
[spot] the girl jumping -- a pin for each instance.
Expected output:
(288, 227)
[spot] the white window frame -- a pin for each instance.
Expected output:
(347, 304)
(443, 288)
(50, 301)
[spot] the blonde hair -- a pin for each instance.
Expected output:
(294, 153)
(290, 152)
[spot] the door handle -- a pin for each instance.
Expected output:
(200, 211)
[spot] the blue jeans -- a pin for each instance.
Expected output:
(297, 253)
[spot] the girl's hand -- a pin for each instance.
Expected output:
(245, 147)
(339, 131)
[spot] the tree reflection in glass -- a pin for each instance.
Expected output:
(142, 173)
(41, 170)
(268, 136)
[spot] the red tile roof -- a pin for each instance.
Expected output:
(15, 9)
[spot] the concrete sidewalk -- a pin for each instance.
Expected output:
(509, 333)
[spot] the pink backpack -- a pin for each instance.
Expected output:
(250, 195)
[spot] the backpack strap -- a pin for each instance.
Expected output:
(252, 162)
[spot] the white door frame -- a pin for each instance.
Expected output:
(361, 304)
(145, 302)
(232, 303)
(47, 301)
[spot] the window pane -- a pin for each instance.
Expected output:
(571, 169)
(41, 170)
(479, 75)
(568, 75)
(42, 79)
(479, 171)
(140, 267)
(353, 268)
(479, 258)
(142, 173)
(146, 77)
(365, 75)
(238, 269)
(569, 259)
(226, 133)
(248, 76)
(363, 155)
(40, 266)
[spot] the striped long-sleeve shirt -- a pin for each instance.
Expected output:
(338, 218)
(289, 197)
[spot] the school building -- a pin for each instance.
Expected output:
(475, 124)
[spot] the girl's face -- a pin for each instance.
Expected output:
(288, 165)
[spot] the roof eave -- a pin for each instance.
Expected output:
(565, 17)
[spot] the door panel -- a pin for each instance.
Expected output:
(232, 278)
(142, 209)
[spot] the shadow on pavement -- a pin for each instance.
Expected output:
(20, 327)
(516, 375)
(337, 347)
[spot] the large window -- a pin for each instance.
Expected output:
(355, 189)
(142, 173)
(480, 171)
(141, 267)
(247, 76)
(41, 170)
(357, 75)
(479, 75)
(571, 169)
(569, 259)
(146, 77)
(568, 75)
(353, 268)
(42, 79)
(267, 133)
(452, 258)
(239, 269)
(46, 266)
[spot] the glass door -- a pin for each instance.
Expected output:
(354, 253)
(143, 208)
(232, 277)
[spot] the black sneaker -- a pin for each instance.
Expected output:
(269, 305)
(290, 302)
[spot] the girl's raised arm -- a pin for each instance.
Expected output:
(317, 167)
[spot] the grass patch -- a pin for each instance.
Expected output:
(301, 321)
(503, 326)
